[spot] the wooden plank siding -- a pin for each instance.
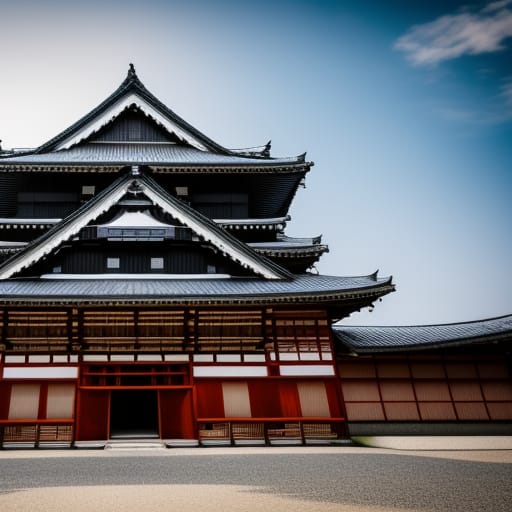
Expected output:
(426, 388)
(188, 330)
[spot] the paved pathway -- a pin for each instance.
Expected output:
(301, 479)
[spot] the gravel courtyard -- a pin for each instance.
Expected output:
(258, 479)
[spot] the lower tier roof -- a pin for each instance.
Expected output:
(366, 339)
(307, 288)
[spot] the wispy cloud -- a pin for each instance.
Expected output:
(454, 35)
(506, 94)
(493, 110)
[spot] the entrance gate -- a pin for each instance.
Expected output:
(126, 400)
(133, 413)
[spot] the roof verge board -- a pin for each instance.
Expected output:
(131, 92)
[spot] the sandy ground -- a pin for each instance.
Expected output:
(185, 498)
(191, 497)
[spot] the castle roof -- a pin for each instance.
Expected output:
(305, 288)
(173, 141)
(366, 339)
(143, 186)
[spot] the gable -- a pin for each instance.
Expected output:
(131, 101)
(131, 92)
(132, 125)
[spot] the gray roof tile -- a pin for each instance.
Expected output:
(381, 339)
(137, 154)
(202, 290)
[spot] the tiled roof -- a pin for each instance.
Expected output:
(284, 248)
(305, 287)
(132, 93)
(417, 337)
(158, 154)
(131, 85)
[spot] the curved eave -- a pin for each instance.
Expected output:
(276, 224)
(369, 340)
(47, 293)
(158, 167)
(422, 347)
(293, 252)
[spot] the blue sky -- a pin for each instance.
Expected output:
(405, 108)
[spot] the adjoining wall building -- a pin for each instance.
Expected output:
(148, 289)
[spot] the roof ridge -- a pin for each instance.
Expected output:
(133, 85)
(131, 82)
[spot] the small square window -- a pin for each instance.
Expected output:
(157, 263)
(88, 190)
(182, 191)
(211, 269)
(57, 269)
(113, 263)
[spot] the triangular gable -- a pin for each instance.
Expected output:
(133, 125)
(118, 107)
(201, 225)
(131, 92)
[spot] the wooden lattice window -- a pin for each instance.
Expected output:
(37, 328)
(301, 332)
(228, 330)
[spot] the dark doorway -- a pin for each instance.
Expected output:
(134, 413)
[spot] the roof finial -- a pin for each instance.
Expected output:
(131, 71)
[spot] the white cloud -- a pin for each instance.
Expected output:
(496, 6)
(454, 35)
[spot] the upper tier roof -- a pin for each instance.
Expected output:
(78, 144)
(422, 337)
(157, 154)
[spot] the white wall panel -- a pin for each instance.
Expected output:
(60, 402)
(313, 399)
(236, 399)
(41, 372)
(24, 403)
(230, 371)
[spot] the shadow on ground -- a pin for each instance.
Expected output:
(380, 480)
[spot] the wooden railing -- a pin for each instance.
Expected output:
(290, 430)
(35, 433)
